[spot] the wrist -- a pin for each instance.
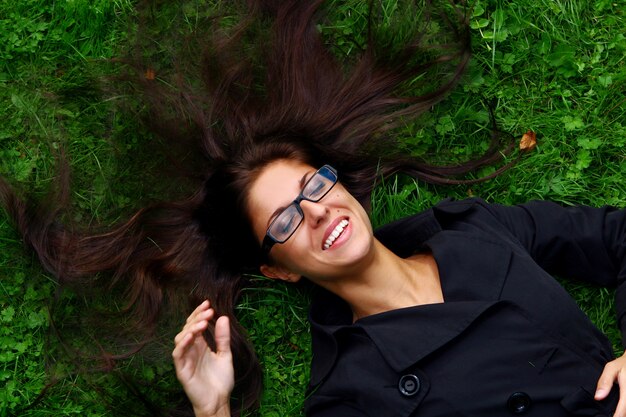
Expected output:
(223, 411)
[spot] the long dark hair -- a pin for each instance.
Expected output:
(280, 93)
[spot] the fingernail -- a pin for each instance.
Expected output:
(600, 392)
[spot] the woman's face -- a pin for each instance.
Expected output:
(307, 252)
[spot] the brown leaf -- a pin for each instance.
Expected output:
(150, 74)
(528, 141)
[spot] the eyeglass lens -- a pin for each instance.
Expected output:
(289, 219)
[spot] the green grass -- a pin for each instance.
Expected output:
(555, 67)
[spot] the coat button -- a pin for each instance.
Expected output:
(409, 385)
(519, 403)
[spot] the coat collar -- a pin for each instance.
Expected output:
(407, 335)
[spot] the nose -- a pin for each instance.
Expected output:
(314, 213)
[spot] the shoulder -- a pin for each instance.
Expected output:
(444, 210)
(407, 235)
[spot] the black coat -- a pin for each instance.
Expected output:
(507, 340)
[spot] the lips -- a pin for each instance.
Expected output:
(333, 232)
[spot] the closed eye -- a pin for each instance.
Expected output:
(316, 189)
(286, 224)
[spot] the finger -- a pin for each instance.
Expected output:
(181, 348)
(201, 307)
(185, 344)
(605, 383)
(222, 335)
(200, 317)
(183, 363)
(199, 325)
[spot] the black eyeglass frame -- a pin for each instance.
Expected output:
(269, 240)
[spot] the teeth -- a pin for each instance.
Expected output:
(335, 234)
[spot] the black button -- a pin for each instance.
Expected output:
(519, 403)
(409, 385)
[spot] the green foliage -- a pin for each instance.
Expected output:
(35, 29)
(23, 323)
(552, 66)
(275, 317)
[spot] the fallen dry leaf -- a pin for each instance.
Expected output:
(528, 141)
(150, 74)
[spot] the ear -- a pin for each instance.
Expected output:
(277, 272)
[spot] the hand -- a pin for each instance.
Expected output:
(207, 377)
(614, 371)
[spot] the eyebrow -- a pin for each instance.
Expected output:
(303, 181)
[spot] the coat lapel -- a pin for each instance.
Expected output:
(472, 272)
(406, 336)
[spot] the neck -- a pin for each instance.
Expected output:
(387, 282)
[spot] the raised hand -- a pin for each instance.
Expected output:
(207, 377)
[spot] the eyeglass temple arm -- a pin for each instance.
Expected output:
(268, 242)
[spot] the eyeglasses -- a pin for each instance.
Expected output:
(287, 221)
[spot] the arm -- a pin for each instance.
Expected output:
(206, 376)
(584, 243)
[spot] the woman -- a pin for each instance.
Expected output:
(453, 315)
(288, 98)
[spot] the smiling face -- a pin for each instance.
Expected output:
(334, 237)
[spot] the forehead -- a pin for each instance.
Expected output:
(276, 186)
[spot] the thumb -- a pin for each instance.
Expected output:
(222, 335)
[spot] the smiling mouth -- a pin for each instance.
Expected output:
(337, 231)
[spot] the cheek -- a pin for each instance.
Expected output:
(295, 252)
(288, 259)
